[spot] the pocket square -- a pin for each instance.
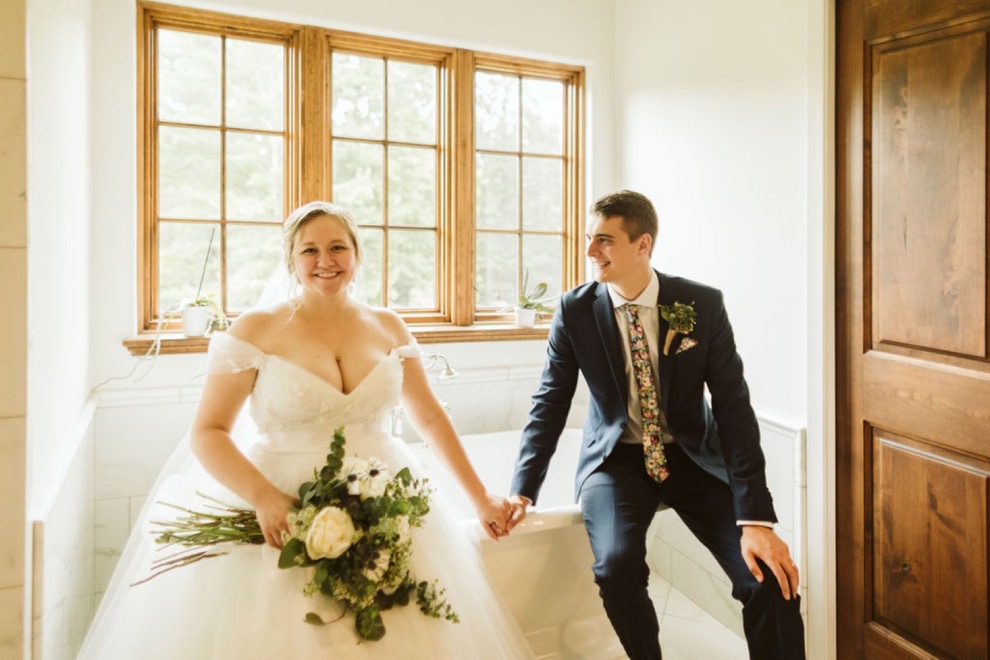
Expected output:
(686, 345)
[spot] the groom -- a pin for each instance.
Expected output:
(647, 345)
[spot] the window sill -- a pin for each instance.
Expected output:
(177, 344)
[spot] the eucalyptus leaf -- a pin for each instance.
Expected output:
(292, 548)
(314, 618)
(369, 623)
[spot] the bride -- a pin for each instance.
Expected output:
(307, 365)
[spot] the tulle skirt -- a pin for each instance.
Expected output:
(241, 605)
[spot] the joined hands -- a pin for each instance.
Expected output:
(493, 513)
(498, 515)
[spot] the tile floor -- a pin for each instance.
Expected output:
(687, 632)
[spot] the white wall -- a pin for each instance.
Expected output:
(712, 126)
(59, 291)
(58, 467)
(722, 119)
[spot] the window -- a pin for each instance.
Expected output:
(520, 173)
(463, 170)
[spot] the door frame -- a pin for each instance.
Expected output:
(820, 565)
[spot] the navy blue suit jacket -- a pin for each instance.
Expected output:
(722, 438)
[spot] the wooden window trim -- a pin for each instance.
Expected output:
(150, 17)
(308, 162)
(176, 343)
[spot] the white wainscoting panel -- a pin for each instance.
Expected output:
(62, 551)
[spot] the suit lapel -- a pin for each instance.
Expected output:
(608, 330)
(667, 296)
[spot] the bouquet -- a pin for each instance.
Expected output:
(352, 531)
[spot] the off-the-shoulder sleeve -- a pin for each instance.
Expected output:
(410, 350)
(230, 355)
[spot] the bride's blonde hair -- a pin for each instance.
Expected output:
(298, 219)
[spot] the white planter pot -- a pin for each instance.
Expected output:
(525, 318)
(196, 321)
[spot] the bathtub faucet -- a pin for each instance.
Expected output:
(447, 371)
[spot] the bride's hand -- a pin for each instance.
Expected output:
(273, 516)
(493, 514)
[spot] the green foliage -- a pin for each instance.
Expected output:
(432, 603)
(369, 623)
(536, 298)
(315, 619)
(293, 551)
(680, 316)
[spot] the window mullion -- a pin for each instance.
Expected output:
(461, 244)
(311, 95)
(574, 211)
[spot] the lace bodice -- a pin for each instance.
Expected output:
(293, 407)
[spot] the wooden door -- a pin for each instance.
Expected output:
(913, 428)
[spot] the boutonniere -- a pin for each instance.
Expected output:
(681, 318)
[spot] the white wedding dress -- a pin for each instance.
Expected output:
(241, 605)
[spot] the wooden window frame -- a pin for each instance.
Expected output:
(308, 162)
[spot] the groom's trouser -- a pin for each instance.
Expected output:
(619, 501)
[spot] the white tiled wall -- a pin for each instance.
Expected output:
(489, 400)
(135, 435)
(62, 584)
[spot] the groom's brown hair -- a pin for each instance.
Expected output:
(636, 210)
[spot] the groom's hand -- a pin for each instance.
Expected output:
(762, 543)
(518, 504)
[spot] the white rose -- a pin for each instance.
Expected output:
(330, 535)
(376, 480)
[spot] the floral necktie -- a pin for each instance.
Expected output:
(656, 462)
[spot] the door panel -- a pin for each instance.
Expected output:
(929, 192)
(929, 523)
(913, 346)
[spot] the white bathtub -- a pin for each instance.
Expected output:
(543, 570)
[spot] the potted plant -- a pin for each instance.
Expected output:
(200, 314)
(531, 302)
